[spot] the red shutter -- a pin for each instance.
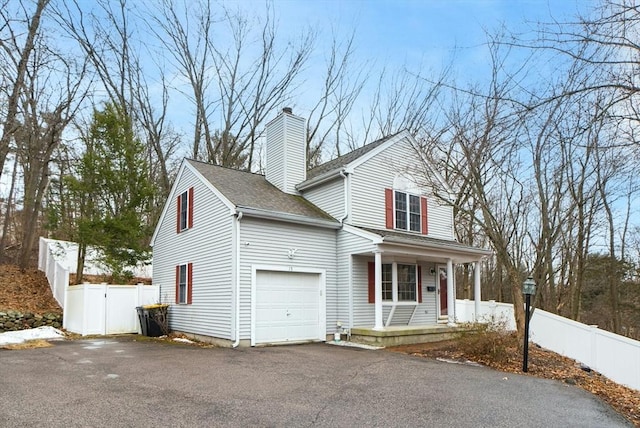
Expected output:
(189, 283)
(425, 224)
(388, 207)
(372, 282)
(190, 207)
(178, 203)
(178, 284)
(419, 284)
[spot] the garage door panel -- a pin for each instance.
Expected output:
(287, 306)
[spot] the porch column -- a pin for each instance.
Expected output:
(477, 297)
(378, 285)
(451, 301)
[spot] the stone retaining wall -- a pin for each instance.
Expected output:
(14, 320)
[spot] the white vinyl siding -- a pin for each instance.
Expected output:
(286, 152)
(363, 311)
(440, 219)
(266, 242)
(274, 171)
(329, 197)
(425, 313)
(349, 244)
(378, 173)
(208, 245)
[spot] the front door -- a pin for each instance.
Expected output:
(442, 277)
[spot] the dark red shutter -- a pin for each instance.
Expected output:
(419, 284)
(190, 207)
(425, 224)
(372, 282)
(388, 207)
(178, 284)
(178, 203)
(189, 283)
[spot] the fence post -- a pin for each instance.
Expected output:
(492, 310)
(594, 348)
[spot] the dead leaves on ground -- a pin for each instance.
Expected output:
(544, 364)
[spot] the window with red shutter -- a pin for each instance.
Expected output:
(425, 223)
(184, 283)
(388, 208)
(405, 211)
(184, 205)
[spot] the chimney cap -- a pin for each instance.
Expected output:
(287, 110)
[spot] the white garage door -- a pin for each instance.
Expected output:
(287, 307)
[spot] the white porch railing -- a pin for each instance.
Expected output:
(617, 357)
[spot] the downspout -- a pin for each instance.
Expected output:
(350, 265)
(346, 197)
(237, 219)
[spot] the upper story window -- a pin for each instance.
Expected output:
(184, 205)
(406, 211)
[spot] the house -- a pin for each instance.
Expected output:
(298, 255)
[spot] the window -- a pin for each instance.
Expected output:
(407, 285)
(405, 211)
(387, 282)
(184, 274)
(184, 204)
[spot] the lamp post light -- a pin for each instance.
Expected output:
(528, 289)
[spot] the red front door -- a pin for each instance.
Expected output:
(442, 275)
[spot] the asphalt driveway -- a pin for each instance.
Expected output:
(121, 382)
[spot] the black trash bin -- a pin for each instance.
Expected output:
(143, 317)
(153, 319)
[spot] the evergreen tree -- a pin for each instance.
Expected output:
(113, 192)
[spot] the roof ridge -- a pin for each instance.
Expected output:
(228, 168)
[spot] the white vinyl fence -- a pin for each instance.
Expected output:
(66, 254)
(106, 309)
(617, 357)
(92, 308)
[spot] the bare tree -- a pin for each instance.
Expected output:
(16, 58)
(342, 85)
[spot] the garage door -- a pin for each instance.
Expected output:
(287, 307)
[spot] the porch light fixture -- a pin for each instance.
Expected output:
(528, 289)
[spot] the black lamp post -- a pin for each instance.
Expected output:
(528, 289)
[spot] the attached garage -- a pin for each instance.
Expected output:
(288, 307)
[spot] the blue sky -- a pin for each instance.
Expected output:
(423, 36)
(415, 30)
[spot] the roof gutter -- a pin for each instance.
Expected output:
(447, 248)
(319, 179)
(289, 218)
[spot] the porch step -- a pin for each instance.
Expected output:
(403, 335)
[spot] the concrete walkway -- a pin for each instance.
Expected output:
(122, 382)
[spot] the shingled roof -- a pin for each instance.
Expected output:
(249, 190)
(345, 159)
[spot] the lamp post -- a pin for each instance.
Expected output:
(528, 289)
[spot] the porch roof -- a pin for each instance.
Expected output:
(396, 241)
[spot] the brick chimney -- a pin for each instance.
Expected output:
(286, 157)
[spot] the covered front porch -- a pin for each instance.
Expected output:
(411, 288)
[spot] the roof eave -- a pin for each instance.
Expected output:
(288, 218)
(470, 251)
(319, 179)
